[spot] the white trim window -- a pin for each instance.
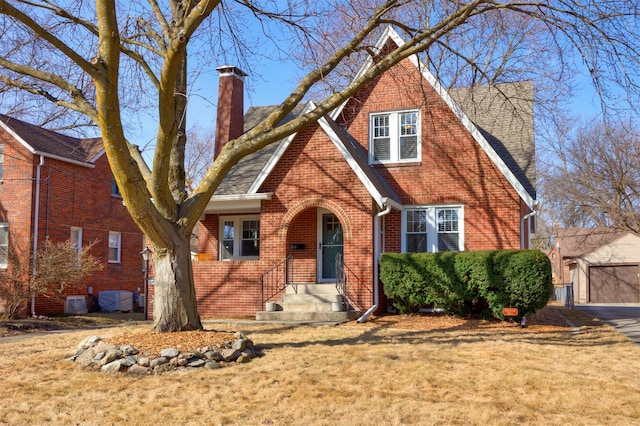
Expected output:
(115, 248)
(394, 137)
(239, 237)
(432, 229)
(75, 237)
(4, 245)
(1, 161)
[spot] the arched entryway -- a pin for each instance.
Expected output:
(316, 230)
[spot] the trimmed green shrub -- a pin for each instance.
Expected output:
(479, 283)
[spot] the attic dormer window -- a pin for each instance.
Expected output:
(394, 137)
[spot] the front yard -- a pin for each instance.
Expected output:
(390, 371)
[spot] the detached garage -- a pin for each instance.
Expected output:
(603, 265)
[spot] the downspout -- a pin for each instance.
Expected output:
(376, 256)
(35, 229)
(522, 222)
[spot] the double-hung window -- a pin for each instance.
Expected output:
(115, 241)
(432, 229)
(75, 238)
(394, 137)
(4, 245)
(239, 237)
(1, 161)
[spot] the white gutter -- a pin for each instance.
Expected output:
(239, 203)
(66, 160)
(35, 229)
(376, 257)
(522, 222)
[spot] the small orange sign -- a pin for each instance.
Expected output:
(510, 312)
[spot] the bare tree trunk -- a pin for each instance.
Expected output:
(174, 305)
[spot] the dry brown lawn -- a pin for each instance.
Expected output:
(393, 370)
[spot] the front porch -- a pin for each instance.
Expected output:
(310, 303)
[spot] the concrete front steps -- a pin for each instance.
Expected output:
(311, 303)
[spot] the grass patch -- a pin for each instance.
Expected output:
(327, 375)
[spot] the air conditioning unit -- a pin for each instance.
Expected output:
(75, 305)
(114, 300)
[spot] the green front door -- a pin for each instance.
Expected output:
(330, 245)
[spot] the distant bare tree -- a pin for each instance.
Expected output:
(595, 180)
(198, 155)
(58, 264)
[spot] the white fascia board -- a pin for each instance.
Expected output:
(352, 163)
(464, 119)
(241, 203)
(392, 203)
(389, 32)
(268, 167)
(17, 137)
(98, 155)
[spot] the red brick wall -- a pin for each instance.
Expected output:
(453, 168)
(16, 191)
(307, 178)
(75, 196)
(70, 196)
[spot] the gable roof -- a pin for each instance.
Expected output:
(51, 144)
(502, 127)
(576, 242)
(248, 174)
(497, 147)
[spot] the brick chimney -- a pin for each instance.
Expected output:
(230, 119)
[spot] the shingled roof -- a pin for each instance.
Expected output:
(50, 143)
(504, 115)
(245, 172)
(575, 242)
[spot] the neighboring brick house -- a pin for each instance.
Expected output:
(59, 187)
(401, 166)
(600, 265)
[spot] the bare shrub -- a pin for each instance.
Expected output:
(56, 264)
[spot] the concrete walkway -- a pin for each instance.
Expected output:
(624, 317)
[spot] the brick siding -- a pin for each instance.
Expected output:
(70, 196)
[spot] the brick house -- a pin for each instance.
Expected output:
(402, 166)
(61, 188)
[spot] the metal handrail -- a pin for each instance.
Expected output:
(345, 280)
(277, 279)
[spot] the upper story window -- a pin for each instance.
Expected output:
(75, 237)
(114, 187)
(1, 161)
(432, 229)
(394, 137)
(114, 247)
(4, 245)
(239, 237)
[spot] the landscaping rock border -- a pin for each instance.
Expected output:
(95, 354)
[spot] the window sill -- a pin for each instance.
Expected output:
(397, 164)
(240, 259)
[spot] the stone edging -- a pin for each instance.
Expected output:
(93, 353)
